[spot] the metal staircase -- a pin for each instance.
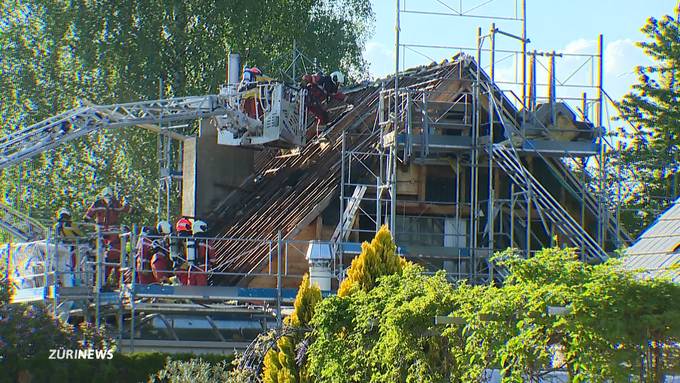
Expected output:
(548, 208)
(20, 225)
(573, 186)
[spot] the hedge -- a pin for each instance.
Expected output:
(122, 368)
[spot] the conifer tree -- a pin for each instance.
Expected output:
(650, 152)
(280, 366)
(377, 259)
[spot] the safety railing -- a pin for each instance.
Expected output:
(98, 262)
(262, 113)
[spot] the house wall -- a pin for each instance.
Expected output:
(293, 257)
(210, 171)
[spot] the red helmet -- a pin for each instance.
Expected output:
(183, 225)
(255, 70)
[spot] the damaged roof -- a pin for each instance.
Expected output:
(287, 192)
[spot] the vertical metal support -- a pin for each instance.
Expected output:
(409, 131)
(524, 59)
(279, 286)
(474, 171)
(529, 198)
(532, 81)
(55, 280)
(492, 52)
(393, 145)
(294, 59)
(48, 265)
(132, 304)
(490, 188)
(552, 87)
(396, 58)
(99, 275)
(393, 187)
(512, 215)
(601, 149)
(379, 186)
(584, 106)
(343, 154)
(160, 153)
(425, 151)
(600, 57)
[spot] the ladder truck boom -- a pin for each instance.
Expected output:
(279, 121)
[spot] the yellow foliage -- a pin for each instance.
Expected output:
(280, 366)
(305, 302)
(271, 367)
(377, 259)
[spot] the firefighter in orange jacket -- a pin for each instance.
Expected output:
(106, 212)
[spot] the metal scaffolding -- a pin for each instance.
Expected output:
(496, 144)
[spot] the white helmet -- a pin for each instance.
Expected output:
(338, 77)
(163, 227)
(199, 227)
(63, 212)
(106, 193)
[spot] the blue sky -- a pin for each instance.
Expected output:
(568, 26)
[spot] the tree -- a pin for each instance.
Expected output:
(377, 259)
(386, 334)
(653, 107)
(57, 53)
(614, 326)
(282, 365)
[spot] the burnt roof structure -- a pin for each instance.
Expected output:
(534, 196)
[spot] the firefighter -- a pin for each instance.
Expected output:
(320, 89)
(69, 234)
(65, 228)
(160, 262)
(178, 250)
(249, 78)
(205, 254)
(251, 97)
(106, 212)
(143, 254)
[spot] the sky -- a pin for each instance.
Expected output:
(565, 26)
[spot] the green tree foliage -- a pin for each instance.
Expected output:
(653, 107)
(385, 334)
(29, 331)
(195, 370)
(614, 321)
(56, 54)
(280, 363)
(377, 259)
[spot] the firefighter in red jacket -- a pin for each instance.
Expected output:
(160, 262)
(106, 212)
(144, 252)
(199, 257)
(322, 89)
(205, 253)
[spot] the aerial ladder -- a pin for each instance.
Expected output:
(279, 120)
(276, 117)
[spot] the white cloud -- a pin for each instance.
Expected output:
(580, 46)
(380, 59)
(620, 59)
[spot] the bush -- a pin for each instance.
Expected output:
(136, 367)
